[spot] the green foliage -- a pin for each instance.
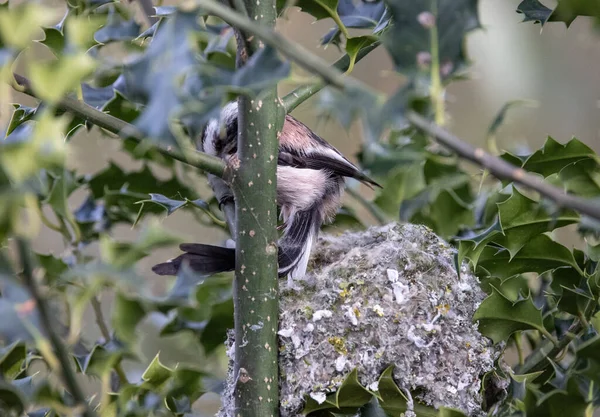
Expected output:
(174, 77)
(351, 397)
(566, 11)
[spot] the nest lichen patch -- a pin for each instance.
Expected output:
(386, 296)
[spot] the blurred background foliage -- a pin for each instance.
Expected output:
(93, 207)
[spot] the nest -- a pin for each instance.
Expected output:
(386, 296)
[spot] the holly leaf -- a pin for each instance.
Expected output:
(522, 218)
(360, 14)
(20, 115)
(117, 29)
(534, 11)
(409, 38)
(12, 360)
(554, 156)
(566, 11)
(499, 317)
(539, 255)
(350, 395)
(319, 9)
(393, 401)
(354, 46)
(54, 39)
(582, 178)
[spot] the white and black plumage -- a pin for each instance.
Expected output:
(310, 183)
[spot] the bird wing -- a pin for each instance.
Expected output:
(331, 161)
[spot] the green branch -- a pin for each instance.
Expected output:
(256, 389)
(47, 320)
(126, 130)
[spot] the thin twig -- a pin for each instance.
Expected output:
(126, 130)
(502, 169)
(105, 331)
(46, 319)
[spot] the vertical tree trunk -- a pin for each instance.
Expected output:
(256, 294)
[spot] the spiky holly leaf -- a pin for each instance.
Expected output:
(566, 11)
(499, 317)
(522, 218)
(349, 396)
(117, 29)
(360, 14)
(539, 255)
(12, 360)
(409, 39)
(582, 178)
(554, 156)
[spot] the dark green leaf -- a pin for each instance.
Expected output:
(540, 254)
(156, 374)
(118, 106)
(117, 29)
(554, 156)
(534, 11)
(319, 9)
(450, 412)
(361, 14)
(582, 178)
(409, 38)
(521, 219)
(354, 45)
(11, 400)
(499, 317)
(55, 40)
(393, 401)
(12, 359)
(566, 11)
(20, 115)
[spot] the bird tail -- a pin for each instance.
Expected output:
(295, 245)
(203, 259)
(302, 228)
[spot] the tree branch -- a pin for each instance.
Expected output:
(46, 319)
(125, 130)
(502, 169)
(496, 166)
(256, 307)
(304, 92)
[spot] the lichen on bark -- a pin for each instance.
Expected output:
(386, 296)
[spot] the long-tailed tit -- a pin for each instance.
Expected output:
(310, 183)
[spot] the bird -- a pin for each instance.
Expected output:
(310, 183)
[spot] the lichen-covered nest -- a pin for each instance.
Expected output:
(386, 296)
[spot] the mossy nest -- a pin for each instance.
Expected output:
(386, 296)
